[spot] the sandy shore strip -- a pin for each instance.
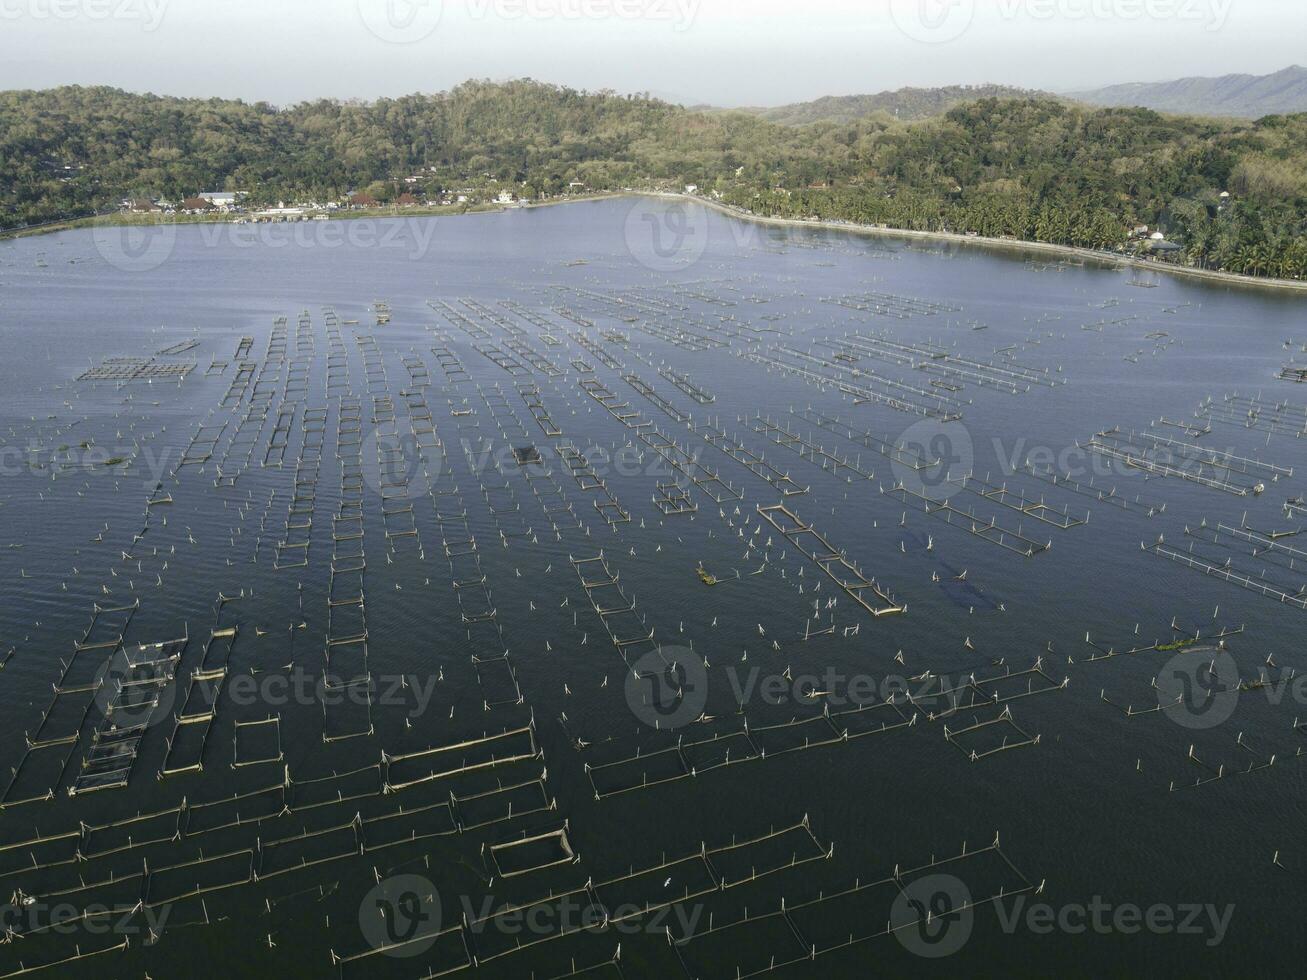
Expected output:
(1011, 245)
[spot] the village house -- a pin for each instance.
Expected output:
(223, 200)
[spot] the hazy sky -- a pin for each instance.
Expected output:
(728, 52)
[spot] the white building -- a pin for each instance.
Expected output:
(280, 213)
(221, 199)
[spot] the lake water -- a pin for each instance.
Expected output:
(468, 770)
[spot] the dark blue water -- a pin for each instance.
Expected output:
(1101, 809)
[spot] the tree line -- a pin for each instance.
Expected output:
(1035, 168)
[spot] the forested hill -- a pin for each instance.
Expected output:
(1249, 96)
(905, 104)
(1027, 168)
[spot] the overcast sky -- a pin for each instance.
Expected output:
(726, 52)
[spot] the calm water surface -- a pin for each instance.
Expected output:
(493, 314)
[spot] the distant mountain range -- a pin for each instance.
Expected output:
(905, 103)
(1248, 96)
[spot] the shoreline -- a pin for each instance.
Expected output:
(1008, 245)
(119, 219)
(1000, 244)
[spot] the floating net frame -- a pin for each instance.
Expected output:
(894, 452)
(77, 957)
(126, 370)
(58, 735)
(188, 742)
(682, 461)
(755, 463)
(796, 916)
(596, 576)
(829, 558)
(1275, 418)
(890, 304)
(650, 393)
(203, 444)
(989, 530)
(357, 963)
(254, 729)
(1017, 501)
(1110, 496)
(488, 745)
(1155, 455)
(1225, 572)
(147, 672)
(688, 387)
(687, 754)
(1001, 686)
(674, 500)
(807, 450)
(533, 793)
(957, 736)
(1008, 377)
(497, 862)
(860, 394)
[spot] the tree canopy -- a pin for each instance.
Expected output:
(1031, 168)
